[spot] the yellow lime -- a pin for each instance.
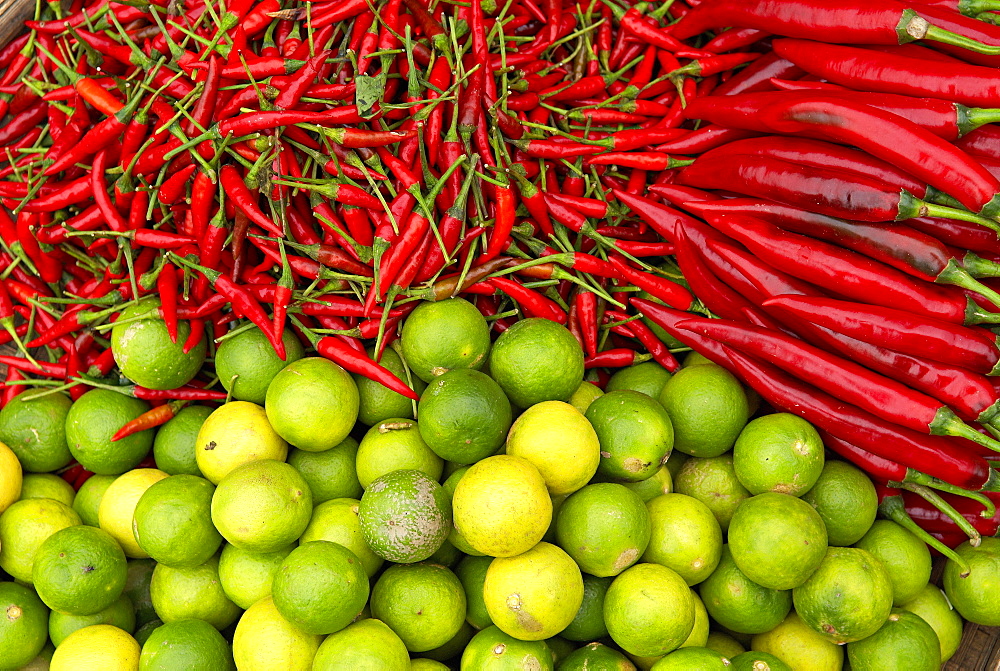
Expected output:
(337, 521)
(649, 610)
(780, 452)
(464, 416)
(905, 557)
(47, 486)
(174, 447)
(118, 507)
(173, 521)
(376, 402)
(708, 409)
(444, 335)
(559, 442)
(796, 644)
(23, 625)
(793, 535)
(36, 431)
(10, 477)
(262, 506)
(648, 378)
(234, 434)
(312, 403)
(247, 577)
(493, 650)
(88, 499)
(596, 655)
(265, 641)
(604, 527)
(424, 604)
(98, 647)
(405, 516)
(79, 570)
(584, 395)
(712, 481)
(91, 422)
(144, 352)
(366, 645)
(246, 363)
(182, 593)
(657, 484)
(972, 596)
(724, 643)
(537, 360)
(471, 571)
(331, 474)
(738, 603)
(120, 614)
(934, 608)
(635, 434)
(685, 536)
(534, 595)
(186, 644)
(686, 659)
(395, 444)
(845, 498)
(320, 587)
(24, 526)
(501, 506)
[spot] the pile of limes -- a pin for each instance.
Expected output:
(516, 517)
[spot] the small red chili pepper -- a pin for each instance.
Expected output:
(615, 358)
(358, 362)
(150, 419)
(166, 286)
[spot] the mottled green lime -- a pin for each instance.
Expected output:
(186, 644)
(91, 422)
(649, 610)
(184, 593)
(685, 536)
(376, 401)
(144, 352)
(493, 650)
(120, 614)
(905, 641)
(247, 577)
(635, 433)
(405, 516)
(23, 625)
(172, 521)
(246, 363)
(79, 571)
(740, 604)
(174, 444)
(845, 498)
(320, 587)
(712, 481)
(312, 403)
(425, 604)
(648, 377)
(537, 360)
(604, 527)
(35, 430)
(444, 335)
(708, 409)
(366, 644)
(780, 452)
(464, 416)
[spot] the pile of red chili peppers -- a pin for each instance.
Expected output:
(820, 177)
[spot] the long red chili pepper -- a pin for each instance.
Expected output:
(357, 362)
(150, 419)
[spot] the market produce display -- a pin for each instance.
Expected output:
(408, 335)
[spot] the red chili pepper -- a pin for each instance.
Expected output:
(245, 200)
(656, 347)
(671, 293)
(505, 205)
(586, 312)
(529, 300)
(358, 362)
(166, 286)
(150, 419)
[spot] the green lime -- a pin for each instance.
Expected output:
(174, 445)
(265, 641)
(424, 604)
(36, 431)
(312, 403)
(708, 409)
(534, 595)
(798, 645)
(47, 486)
(649, 610)
(695, 359)
(972, 596)
(423, 664)
(560, 442)
(247, 577)
(235, 434)
(137, 579)
(452, 650)
(143, 633)
(173, 521)
(366, 644)
(182, 593)
(692, 659)
(604, 527)
(648, 378)
(186, 644)
(405, 516)
(685, 536)
(144, 352)
(847, 598)
(635, 433)
(246, 363)
(780, 452)
(493, 650)
(905, 557)
(91, 422)
(445, 335)
(88, 498)
(120, 614)
(758, 661)
(337, 521)
(79, 571)
(455, 536)
(262, 506)
(724, 643)
(777, 540)
(24, 527)
(537, 360)
(845, 498)
(699, 633)
(676, 461)
(657, 484)
(395, 444)
(596, 655)
(97, 647)
(464, 416)
(934, 608)
(376, 402)
(320, 587)
(738, 603)
(905, 641)
(23, 627)
(584, 395)
(11, 477)
(471, 571)
(331, 474)
(501, 506)
(118, 504)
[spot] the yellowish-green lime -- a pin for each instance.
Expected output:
(36, 431)
(23, 625)
(724, 643)
(685, 659)
(118, 507)
(758, 661)
(972, 596)
(740, 604)
(337, 521)
(648, 377)
(537, 360)
(47, 486)
(699, 633)
(604, 527)
(584, 395)
(424, 664)
(934, 608)
(172, 521)
(186, 644)
(91, 422)
(905, 557)
(174, 447)
(182, 593)
(655, 485)
(695, 359)
(635, 433)
(88, 498)
(144, 352)
(320, 587)
(405, 516)
(79, 570)
(780, 452)
(395, 444)
(24, 526)
(331, 474)
(376, 402)
(444, 335)
(246, 363)
(685, 536)
(452, 650)
(10, 477)
(845, 498)
(905, 641)
(493, 650)
(98, 647)
(464, 416)
(796, 644)
(235, 434)
(471, 571)
(247, 577)
(312, 403)
(501, 506)
(424, 604)
(649, 610)
(366, 645)
(708, 409)
(120, 614)
(560, 442)
(712, 481)
(264, 641)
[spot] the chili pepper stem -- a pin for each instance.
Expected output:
(892, 508)
(918, 478)
(932, 497)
